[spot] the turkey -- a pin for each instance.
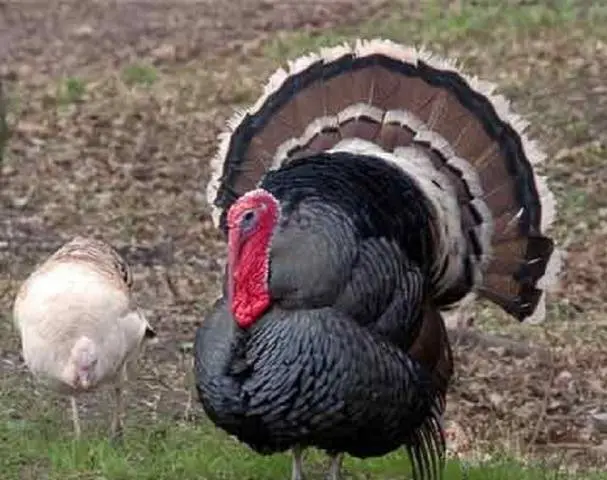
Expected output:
(79, 327)
(370, 189)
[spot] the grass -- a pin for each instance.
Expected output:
(71, 90)
(440, 23)
(139, 74)
(43, 448)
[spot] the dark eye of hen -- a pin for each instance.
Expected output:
(125, 274)
(248, 221)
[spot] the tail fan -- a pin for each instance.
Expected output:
(447, 130)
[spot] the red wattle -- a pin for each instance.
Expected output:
(248, 263)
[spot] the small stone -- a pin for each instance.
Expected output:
(164, 52)
(496, 399)
(83, 30)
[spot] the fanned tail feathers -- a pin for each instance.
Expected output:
(448, 131)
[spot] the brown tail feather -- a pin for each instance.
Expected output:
(468, 150)
(432, 349)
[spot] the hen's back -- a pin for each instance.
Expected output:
(72, 297)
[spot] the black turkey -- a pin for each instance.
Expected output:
(368, 190)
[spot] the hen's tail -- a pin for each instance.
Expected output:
(446, 130)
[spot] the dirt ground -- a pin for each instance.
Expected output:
(92, 152)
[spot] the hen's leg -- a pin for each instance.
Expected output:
(75, 417)
(297, 469)
(117, 427)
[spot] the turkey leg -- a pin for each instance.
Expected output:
(297, 469)
(335, 468)
(75, 417)
(117, 427)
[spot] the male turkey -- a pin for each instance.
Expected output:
(368, 189)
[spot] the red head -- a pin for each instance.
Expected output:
(251, 220)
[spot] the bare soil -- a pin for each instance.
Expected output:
(128, 161)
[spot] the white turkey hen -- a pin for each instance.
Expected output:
(79, 327)
(368, 190)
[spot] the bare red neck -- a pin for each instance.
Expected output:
(251, 220)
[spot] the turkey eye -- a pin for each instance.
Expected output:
(248, 220)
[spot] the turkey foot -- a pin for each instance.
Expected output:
(297, 469)
(75, 418)
(335, 468)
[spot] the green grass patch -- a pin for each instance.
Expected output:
(43, 447)
(576, 180)
(139, 74)
(71, 90)
(438, 22)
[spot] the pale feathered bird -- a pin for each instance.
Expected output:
(79, 326)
